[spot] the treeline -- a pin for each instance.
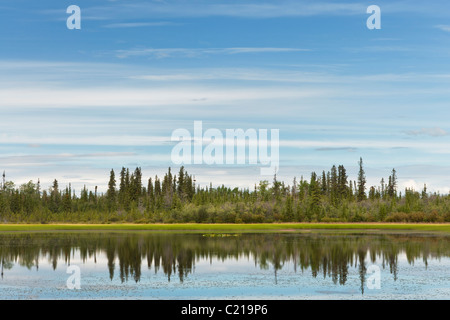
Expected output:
(326, 197)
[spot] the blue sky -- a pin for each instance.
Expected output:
(76, 103)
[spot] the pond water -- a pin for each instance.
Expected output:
(154, 265)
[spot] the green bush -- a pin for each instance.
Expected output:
(397, 217)
(416, 217)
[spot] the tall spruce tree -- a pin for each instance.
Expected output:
(342, 182)
(334, 192)
(361, 191)
(55, 197)
(314, 196)
(392, 186)
(111, 193)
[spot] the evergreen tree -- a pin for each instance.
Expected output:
(342, 187)
(111, 193)
(135, 185)
(38, 188)
(314, 196)
(55, 197)
(392, 186)
(276, 187)
(424, 192)
(323, 183)
(181, 187)
(294, 188)
(372, 193)
(122, 186)
(67, 200)
(289, 209)
(84, 195)
(127, 182)
(158, 193)
(361, 191)
(150, 190)
(334, 192)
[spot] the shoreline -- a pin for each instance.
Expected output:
(281, 227)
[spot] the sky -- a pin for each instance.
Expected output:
(75, 104)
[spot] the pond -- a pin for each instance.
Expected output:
(168, 266)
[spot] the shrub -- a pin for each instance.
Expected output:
(447, 216)
(416, 217)
(433, 216)
(397, 217)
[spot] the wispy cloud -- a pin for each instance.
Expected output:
(144, 97)
(282, 75)
(348, 149)
(112, 140)
(385, 48)
(259, 50)
(379, 144)
(259, 9)
(62, 157)
(240, 74)
(141, 24)
(343, 144)
(253, 9)
(28, 74)
(443, 27)
(242, 9)
(196, 52)
(433, 132)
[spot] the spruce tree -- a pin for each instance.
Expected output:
(181, 184)
(361, 191)
(55, 197)
(111, 193)
(122, 186)
(323, 183)
(137, 184)
(392, 186)
(314, 196)
(334, 192)
(342, 182)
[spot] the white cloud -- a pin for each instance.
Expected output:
(259, 50)
(141, 24)
(381, 144)
(258, 9)
(288, 76)
(47, 159)
(144, 97)
(81, 140)
(243, 9)
(137, 140)
(433, 132)
(241, 74)
(196, 52)
(443, 27)
(28, 74)
(410, 184)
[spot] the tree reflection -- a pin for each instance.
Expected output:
(331, 255)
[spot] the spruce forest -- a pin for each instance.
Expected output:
(175, 198)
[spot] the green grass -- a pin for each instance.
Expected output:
(229, 227)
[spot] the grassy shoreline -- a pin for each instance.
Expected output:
(444, 227)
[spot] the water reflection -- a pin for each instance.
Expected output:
(329, 255)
